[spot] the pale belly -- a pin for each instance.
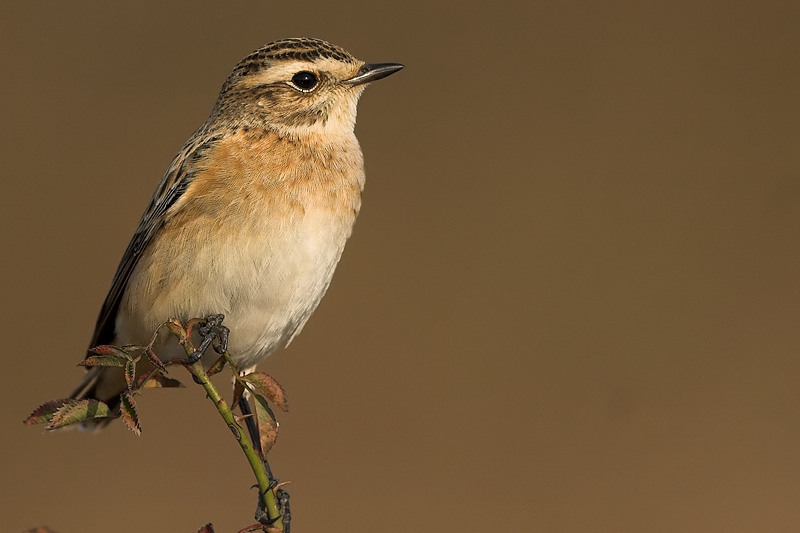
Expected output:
(265, 276)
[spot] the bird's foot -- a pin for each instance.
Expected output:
(283, 507)
(210, 331)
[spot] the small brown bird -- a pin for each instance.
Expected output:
(252, 215)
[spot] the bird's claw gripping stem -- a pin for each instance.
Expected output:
(212, 329)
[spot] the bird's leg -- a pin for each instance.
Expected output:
(255, 437)
(211, 329)
(282, 495)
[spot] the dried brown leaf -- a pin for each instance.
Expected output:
(267, 425)
(77, 411)
(266, 385)
(129, 416)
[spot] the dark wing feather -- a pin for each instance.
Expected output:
(174, 183)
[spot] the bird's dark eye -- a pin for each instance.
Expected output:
(305, 80)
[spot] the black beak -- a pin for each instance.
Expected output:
(372, 72)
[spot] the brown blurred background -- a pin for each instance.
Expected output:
(571, 302)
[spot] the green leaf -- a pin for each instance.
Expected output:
(77, 411)
(128, 409)
(267, 425)
(265, 385)
(103, 360)
(131, 348)
(46, 411)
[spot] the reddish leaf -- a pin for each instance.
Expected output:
(267, 425)
(208, 528)
(153, 358)
(141, 381)
(130, 373)
(45, 412)
(265, 385)
(103, 360)
(238, 390)
(217, 367)
(156, 380)
(129, 415)
(107, 349)
(77, 411)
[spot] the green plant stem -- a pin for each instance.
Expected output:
(256, 464)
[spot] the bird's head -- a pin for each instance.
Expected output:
(295, 86)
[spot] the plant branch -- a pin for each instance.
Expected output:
(201, 377)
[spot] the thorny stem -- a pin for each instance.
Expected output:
(201, 377)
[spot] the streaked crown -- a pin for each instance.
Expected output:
(296, 49)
